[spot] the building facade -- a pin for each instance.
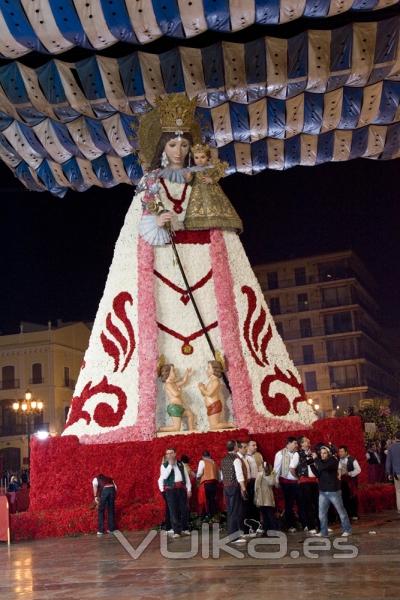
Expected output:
(46, 361)
(325, 308)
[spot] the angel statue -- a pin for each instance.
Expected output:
(173, 389)
(213, 397)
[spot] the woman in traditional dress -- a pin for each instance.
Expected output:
(147, 310)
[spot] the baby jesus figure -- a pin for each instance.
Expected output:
(213, 398)
(209, 207)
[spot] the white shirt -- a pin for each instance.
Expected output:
(343, 467)
(200, 469)
(294, 463)
(165, 472)
(246, 462)
(252, 465)
(278, 465)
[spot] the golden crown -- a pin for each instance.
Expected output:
(201, 148)
(176, 113)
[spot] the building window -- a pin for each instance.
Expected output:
(37, 376)
(275, 306)
(279, 327)
(302, 302)
(310, 381)
(344, 376)
(341, 349)
(308, 354)
(336, 296)
(334, 270)
(66, 376)
(300, 276)
(272, 280)
(10, 421)
(305, 328)
(345, 401)
(338, 322)
(8, 377)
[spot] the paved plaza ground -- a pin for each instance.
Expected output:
(89, 567)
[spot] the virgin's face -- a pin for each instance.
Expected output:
(177, 150)
(209, 370)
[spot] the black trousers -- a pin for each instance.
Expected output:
(107, 501)
(250, 510)
(350, 500)
(269, 519)
(177, 501)
(210, 490)
(234, 507)
(167, 519)
(291, 496)
(308, 501)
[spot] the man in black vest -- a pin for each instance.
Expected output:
(175, 482)
(349, 470)
(104, 490)
(234, 479)
(308, 492)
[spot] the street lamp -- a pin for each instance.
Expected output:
(28, 408)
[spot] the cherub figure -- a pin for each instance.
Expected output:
(213, 399)
(209, 207)
(175, 407)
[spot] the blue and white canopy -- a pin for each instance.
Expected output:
(329, 95)
(55, 26)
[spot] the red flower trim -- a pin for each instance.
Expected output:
(177, 202)
(185, 298)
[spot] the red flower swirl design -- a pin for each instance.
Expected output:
(257, 348)
(127, 343)
(279, 405)
(104, 414)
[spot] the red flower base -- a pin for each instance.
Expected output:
(62, 470)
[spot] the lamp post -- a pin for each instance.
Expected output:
(28, 408)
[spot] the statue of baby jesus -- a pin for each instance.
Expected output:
(209, 207)
(212, 394)
(175, 407)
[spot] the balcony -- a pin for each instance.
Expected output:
(347, 383)
(36, 380)
(9, 384)
(338, 356)
(315, 332)
(19, 429)
(70, 383)
(308, 306)
(309, 280)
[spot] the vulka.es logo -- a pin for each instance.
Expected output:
(210, 545)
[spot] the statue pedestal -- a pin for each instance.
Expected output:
(65, 509)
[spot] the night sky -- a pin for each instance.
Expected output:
(55, 254)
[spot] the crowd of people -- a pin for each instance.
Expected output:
(310, 479)
(319, 485)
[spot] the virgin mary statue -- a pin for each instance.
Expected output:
(147, 311)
